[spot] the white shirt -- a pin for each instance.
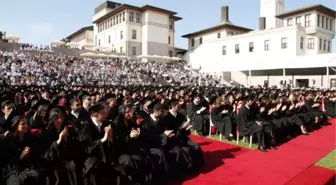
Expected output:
(97, 123)
(75, 114)
(173, 113)
(153, 118)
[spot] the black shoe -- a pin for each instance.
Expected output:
(262, 149)
(273, 148)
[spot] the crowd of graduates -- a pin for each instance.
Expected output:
(67, 135)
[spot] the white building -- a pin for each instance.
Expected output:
(82, 38)
(281, 35)
(133, 30)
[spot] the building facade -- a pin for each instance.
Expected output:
(82, 38)
(280, 35)
(133, 30)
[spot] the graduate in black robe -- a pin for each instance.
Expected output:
(221, 119)
(154, 141)
(100, 165)
(77, 116)
(330, 105)
(313, 109)
(129, 147)
(197, 115)
(20, 155)
(192, 153)
(61, 151)
(8, 111)
(248, 125)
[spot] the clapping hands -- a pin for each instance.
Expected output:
(169, 133)
(25, 152)
(135, 133)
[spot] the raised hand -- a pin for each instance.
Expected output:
(25, 152)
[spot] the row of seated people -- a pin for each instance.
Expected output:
(94, 145)
(272, 120)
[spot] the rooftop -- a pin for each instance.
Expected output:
(80, 31)
(217, 28)
(317, 7)
(140, 9)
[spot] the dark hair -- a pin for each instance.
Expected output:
(74, 100)
(158, 107)
(6, 103)
(173, 103)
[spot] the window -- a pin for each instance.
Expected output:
(298, 21)
(111, 22)
(331, 24)
(114, 20)
(137, 17)
(223, 50)
(109, 39)
(133, 50)
(99, 42)
(301, 43)
(117, 19)
(322, 21)
(168, 39)
(324, 45)
(311, 43)
(124, 16)
(229, 33)
(307, 20)
(289, 22)
(96, 40)
(171, 53)
(327, 23)
(267, 45)
(201, 40)
(318, 20)
(320, 47)
(237, 48)
(284, 43)
(121, 49)
(218, 35)
(131, 16)
(170, 24)
(251, 46)
(134, 34)
(121, 35)
(192, 42)
(120, 18)
(329, 46)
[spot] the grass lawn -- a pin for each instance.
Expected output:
(328, 161)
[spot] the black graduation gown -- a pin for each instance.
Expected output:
(60, 160)
(154, 141)
(130, 151)
(197, 120)
(222, 122)
(315, 112)
(100, 161)
(18, 171)
(246, 123)
(193, 155)
(330, 107)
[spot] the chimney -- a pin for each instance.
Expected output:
(262, 23)
(225, 15)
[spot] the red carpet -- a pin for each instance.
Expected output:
(227, 164)
(315, 175)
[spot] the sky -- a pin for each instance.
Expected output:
(41, 21)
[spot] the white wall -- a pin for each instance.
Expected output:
(101, 14)
(269, 9)
(210, 52)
